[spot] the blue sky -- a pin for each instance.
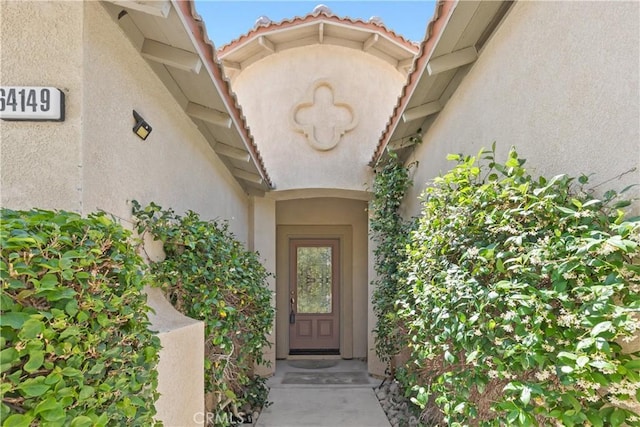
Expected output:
(227, 20)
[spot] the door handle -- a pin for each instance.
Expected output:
(292, 313)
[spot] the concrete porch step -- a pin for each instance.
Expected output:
(329, 394)
(331, 374)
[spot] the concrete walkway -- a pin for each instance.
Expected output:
(322, 405)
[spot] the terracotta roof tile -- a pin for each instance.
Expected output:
(198, 28)
(374, 25)
(434, 29)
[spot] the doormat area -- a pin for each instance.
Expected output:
(329, 378)
(315, 352)
(312, 364)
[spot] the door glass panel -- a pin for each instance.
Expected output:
(314, 279)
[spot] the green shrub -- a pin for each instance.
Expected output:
(209, 276)
(520, 292)
(75, 344)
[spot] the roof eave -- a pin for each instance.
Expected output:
(187, 38)
(440, 53)
(315, 18)
(266, 40)
(186, 9)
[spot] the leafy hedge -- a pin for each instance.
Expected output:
(520, 292)
(208, 275)
(75, 345)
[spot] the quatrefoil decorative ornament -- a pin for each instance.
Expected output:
(321, 118)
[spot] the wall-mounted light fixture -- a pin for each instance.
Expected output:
(141, 128)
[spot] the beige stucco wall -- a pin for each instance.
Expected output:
(327, 218)
(93, 161)
(269, 90)
(40, 162)
(559, 81)
(175, 167)
(263, 240)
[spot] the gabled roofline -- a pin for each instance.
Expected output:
(455, 37)
(315, 17)
(206, 50)
(441, 15)
(318, 28)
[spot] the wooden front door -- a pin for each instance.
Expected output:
(314, 307)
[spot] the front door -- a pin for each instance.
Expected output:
(314, 307)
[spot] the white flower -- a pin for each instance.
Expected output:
(588, 297)
(567, 319)
(544, 241)
(605, 249)
(507, 229)
(542, 375)
(548, 347)
(615, 401)
(625, 388)
(632, 326)
(510, 315)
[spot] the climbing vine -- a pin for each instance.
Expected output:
(520, 296)
(208, 275)
(391, 234)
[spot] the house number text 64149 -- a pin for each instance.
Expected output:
(31, 103)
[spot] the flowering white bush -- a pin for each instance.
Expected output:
(519, 292)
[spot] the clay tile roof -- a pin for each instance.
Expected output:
(198, 28)
(456, 26)
(319, 14)
(434, 29)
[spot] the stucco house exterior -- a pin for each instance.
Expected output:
(279, 132)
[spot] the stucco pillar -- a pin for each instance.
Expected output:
(374, 364)
(181, 366)
(262, 238)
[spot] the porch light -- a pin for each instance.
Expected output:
(141, 128)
